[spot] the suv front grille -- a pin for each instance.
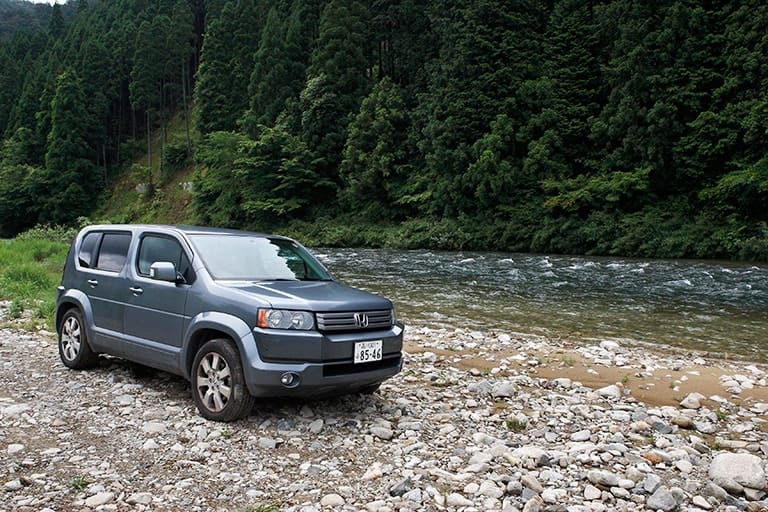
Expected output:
(354, 321)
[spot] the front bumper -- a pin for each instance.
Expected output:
(321, 364)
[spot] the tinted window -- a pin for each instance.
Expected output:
(113, 252)
(87, 249)
(159, 248)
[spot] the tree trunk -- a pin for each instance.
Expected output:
(150, 185)
(186, 110)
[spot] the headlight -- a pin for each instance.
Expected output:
(284, 319)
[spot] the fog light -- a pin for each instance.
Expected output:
(289, 379)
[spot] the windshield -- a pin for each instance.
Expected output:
(254, 258)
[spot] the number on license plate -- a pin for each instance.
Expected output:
(367, 351)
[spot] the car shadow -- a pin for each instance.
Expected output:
(176, 391)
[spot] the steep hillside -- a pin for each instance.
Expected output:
(613, 127)
(127, 198)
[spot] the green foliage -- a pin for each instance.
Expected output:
(221, 94)
(613, 127)
(278, 73)
(80, 483)
(618, 190)
(336, 84)
(375, 165)
(255, 183)
(46, 232)
(30, 270)
(216, 196)
(175, 157)
(71, 181)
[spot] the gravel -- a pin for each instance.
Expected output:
(469, 425)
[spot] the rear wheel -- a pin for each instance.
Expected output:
(218, 384)
(74, 350)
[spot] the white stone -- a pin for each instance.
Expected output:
(604, 478)
(610, 346)
(15, 410)
(154, 427)
(529, 452)
(612, 391)
(490, 489)
(382, 433)
(374, 472)
(535, 504)
(316, 426)
(15, 448)
(684, 466)
(692, 401)
(267, 443)
(414, 495)
(592, 493)
(13, 485)
(581, 435)
(552, 496)
(332, 500)
(457, 500)
(99, 499)
(743, 468)
(532, 483)
(150, 444)
(503, 390)
(139, 498)
(702, 503)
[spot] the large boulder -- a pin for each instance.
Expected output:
(742, 468)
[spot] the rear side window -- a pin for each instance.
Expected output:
(156, 248)
(86, 255)
(113, 252)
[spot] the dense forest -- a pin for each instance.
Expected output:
(598, 127)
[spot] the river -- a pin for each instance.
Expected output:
(704, 305)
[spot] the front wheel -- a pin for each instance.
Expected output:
(218, 384)
(74, 350)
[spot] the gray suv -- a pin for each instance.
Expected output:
(240, 315)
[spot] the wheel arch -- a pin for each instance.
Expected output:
(209, 326)
(73, 299)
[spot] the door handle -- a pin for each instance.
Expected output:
(93, 283)
(136, 290)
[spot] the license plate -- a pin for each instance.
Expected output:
(367, 351)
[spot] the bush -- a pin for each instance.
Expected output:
(50, 233)
(175, 157)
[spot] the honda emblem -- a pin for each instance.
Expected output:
(361, 320)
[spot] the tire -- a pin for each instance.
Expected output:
(74, 350)
(218, 384)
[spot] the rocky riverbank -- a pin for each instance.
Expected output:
(476, 421)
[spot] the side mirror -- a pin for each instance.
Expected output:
(163, 271)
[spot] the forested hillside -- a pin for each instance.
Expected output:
(603, 127)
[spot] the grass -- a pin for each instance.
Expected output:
(79, 483)
(30, 271)
(516, 425)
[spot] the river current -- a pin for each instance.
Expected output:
(710, 306)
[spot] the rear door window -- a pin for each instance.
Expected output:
(87, 254)
(113, 251)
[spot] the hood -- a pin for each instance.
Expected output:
(318, 296)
